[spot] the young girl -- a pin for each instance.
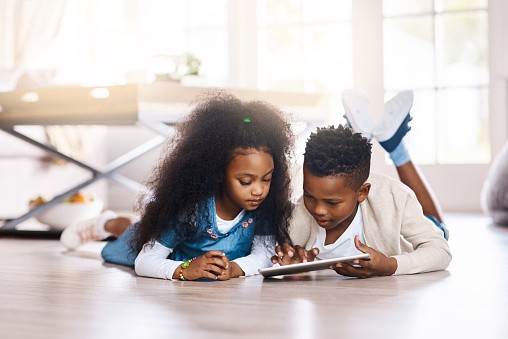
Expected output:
(220, 197)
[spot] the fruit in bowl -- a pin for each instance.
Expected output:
(77, 207)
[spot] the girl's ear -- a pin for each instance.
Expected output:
(363, 192)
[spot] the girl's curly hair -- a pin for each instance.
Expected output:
(334, 151)
(196, 159)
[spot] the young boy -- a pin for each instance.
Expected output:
(347, 210)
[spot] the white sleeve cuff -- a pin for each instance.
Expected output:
(151, 262)
(263, 248)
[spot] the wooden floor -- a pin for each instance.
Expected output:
(46, 292)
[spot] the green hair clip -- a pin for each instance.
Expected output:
(246, 119)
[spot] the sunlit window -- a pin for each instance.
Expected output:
(106, 41)
(305, 45)
(439, 49)
(175, 28)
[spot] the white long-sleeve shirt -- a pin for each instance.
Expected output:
(152, 260)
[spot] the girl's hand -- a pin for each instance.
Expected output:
(378, 264)
(210, 265)
(232, 270)
(287, 255)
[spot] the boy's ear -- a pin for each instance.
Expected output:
(363, 192)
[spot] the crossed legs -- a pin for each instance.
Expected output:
(389, 131)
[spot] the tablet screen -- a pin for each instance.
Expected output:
(308, 266)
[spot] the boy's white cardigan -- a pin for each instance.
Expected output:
(394, 224)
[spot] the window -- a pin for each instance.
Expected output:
(439, 49)
(173, 28)
(101, 42)
(305, 45)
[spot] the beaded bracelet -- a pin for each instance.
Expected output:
(184, 265)
(181, 275)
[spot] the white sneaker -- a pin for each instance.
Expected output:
(396, 110)
(358, 115)
(85, 231)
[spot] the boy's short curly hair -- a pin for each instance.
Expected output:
(338, 151)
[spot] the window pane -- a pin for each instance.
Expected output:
(305, 45)
(172, 28)
(161, 25)
(160, 14)
(422, 139)
(462, 49)
(281, 59)
(409, 52)
(211, 47)
(449, 126)
(328, 67)
(279, 12)
(397, 7)
(205, 13)
(326, 10)
(453, 5)
(463, 135)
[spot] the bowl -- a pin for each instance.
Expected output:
(66, 213)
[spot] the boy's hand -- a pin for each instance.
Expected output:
(378, 264)
(287, 255)
(211, 265)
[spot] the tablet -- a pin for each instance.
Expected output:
(308, 266)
